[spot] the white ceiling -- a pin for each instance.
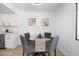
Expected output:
(30, 7)
(5, 10)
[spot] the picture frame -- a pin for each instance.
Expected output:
(32, 21)
(45, 21)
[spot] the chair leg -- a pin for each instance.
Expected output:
(23, 52)
(55, 52)
(49, 54)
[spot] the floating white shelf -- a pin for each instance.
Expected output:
(9, 26)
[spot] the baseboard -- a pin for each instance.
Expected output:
(19, 43)
(63, 51)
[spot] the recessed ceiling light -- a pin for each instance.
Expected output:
(36, 3)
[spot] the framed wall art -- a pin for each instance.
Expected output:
(45, 21)
(32, 21)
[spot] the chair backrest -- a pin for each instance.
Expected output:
(24, 43)
(54, 42)
(48, 45)
(27, 36)
(47, 35)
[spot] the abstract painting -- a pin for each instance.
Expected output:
(32, 21)
(45, 21)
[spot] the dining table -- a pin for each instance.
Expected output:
(40, 45)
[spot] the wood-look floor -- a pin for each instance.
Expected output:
(18, 52)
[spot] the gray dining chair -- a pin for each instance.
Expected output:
(30, 42)
(27, 35)
(47, 35)
(27, 49)
(53, 45)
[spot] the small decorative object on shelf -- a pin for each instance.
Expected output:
(6, 30)
(40, 36)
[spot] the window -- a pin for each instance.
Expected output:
(77, 21)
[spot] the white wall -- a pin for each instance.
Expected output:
(21, 21)
(65, 27)
(8, 19)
